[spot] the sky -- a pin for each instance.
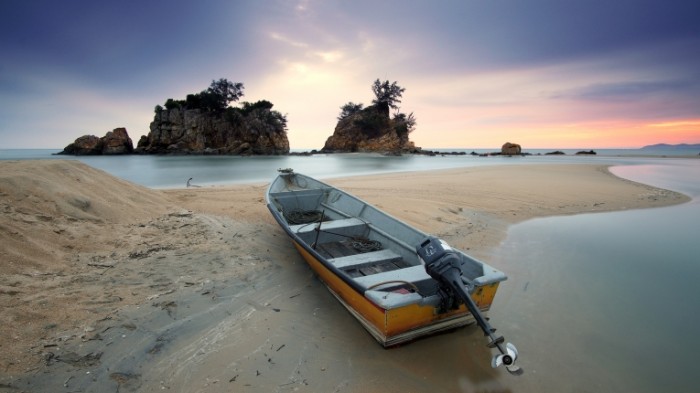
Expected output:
(476, 73)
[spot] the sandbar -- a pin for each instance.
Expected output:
(205, 292)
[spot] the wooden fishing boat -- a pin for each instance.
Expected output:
(385, 272)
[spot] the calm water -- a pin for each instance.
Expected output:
(173, 171)
(604, 302)
(608, 302)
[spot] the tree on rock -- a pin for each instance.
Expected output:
(349, 109)
(222, 92)
(372, 128)
(404, 124)
(387, 94)
(214, 99)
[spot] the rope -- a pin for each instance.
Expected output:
(366, 245)
(299, 216)
(410, 284)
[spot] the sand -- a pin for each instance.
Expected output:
(106, 285)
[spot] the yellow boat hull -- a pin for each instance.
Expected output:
(396, 325)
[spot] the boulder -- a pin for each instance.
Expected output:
(511, 149)
(117, 141)
(114, 142)
(83, 146)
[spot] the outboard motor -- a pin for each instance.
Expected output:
(444, 265)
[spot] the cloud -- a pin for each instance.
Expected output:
(473, 70)
(684, 123)
(286, 40)
(330, 56)
(624, 91)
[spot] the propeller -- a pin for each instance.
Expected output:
(508, 360)
(444, 265)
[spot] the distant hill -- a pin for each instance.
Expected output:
(666, 146)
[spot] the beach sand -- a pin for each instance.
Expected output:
(110, 286)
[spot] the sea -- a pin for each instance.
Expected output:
(170, 171)
(595, 302)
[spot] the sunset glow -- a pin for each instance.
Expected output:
(470, 82)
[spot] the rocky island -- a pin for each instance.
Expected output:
(203, 123)
(372, 129)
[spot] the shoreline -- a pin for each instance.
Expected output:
(487, 200)
(601, 152)
(84, 252)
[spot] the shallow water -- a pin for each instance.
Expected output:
(607, 302)
(173, 171)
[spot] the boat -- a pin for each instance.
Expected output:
(397, 281)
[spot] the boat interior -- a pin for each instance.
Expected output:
(380, 254)
(374, 249)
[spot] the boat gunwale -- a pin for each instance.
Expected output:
(357, 287)
(323, 260)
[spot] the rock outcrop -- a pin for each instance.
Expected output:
(369, 130)
(198, 131)
(114, 142)
(511, 149)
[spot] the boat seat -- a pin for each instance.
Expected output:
(345, 223)
(411, 274)
(368, 258)
(297, 199)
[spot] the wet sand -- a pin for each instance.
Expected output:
(108, 286)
